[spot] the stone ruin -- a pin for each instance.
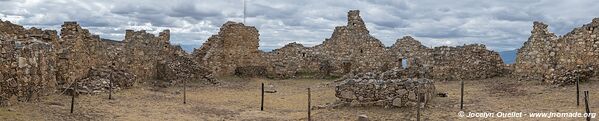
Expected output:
(99, 79)
(235, 46)
(27, 63)
(37, 62)
(448, 63)
(181, 68)
(391, 88)
(349, 49)
(559, 60)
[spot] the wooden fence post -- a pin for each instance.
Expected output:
(309, 105)
(262, 100)
(110, 87)
(462, 95)
(586, 102)
(577, 91)
(184, 91)
(73, 93)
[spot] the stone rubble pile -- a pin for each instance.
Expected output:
(181, 68)
(569, 76)
(384, 90)
(98, 80)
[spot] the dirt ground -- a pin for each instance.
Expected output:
(239, 99)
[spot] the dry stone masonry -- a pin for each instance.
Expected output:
(98, 80)
(235, 46)
(35, 62)
(391, 88)
(27, 63)
(349, 49)
(559, 60)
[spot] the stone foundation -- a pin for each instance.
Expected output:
(384, 89)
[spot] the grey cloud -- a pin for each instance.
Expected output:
(501, 25)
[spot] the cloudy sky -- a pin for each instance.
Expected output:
(501, 25)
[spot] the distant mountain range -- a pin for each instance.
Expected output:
(509, 57)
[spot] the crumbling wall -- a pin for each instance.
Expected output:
(27, 63)
(447, 63)
(465, 62)
(235, 46)
(172, 71)
(293, 60)
(99, 79)
(559, 60)
(352, 48)
(537, 55)
(384, 89)
(408, 53)
(144, 50)
(76, 53)
(35, 62)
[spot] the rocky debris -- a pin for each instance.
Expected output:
(569, 76)
(181, 68)
(371, 88)
(363, 118)
(98, 80)
(559, 60)
(442, 94)
(250, 71)
(270, 89)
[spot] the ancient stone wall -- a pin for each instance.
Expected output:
(465, 62)
(27, 63)
(349, 49)
(559, 60)
(144, 51)
(537, 56)
(352, 48)
(172, 71)
(76, 52)
(35, 62)
(385, 89)
(236, 45)
(293, 60)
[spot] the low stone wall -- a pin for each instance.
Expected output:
(181, 68)
(98, 80)
(250, 71)
(381, 90)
